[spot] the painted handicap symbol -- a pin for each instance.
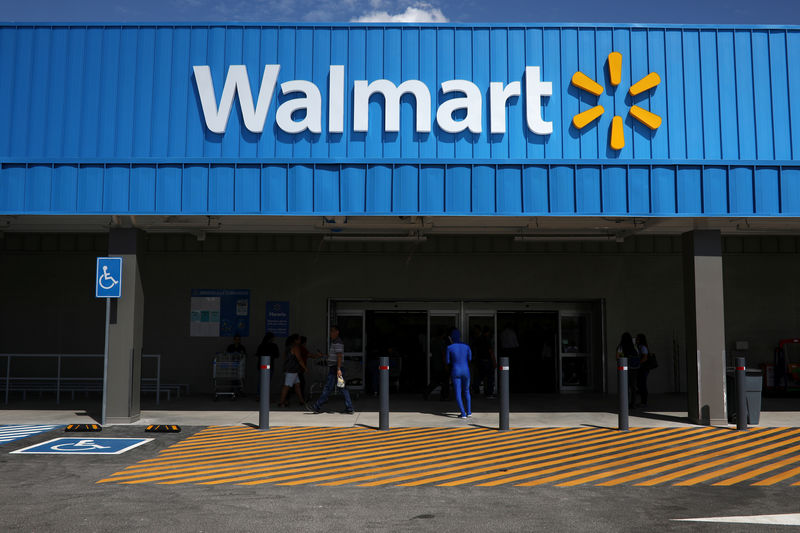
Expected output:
(80, 446)
(106, 280)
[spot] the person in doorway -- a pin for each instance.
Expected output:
(292, 367)
(509, 344)
(335, 377)
(439, 377)
(237, 346)
(626, 348)
(485, 362)
(458, 356)
(268, 348)
(644, 367)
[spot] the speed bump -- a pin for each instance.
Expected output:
(163, 429)
(83, 427)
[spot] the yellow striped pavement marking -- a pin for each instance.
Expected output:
(530, 471)
(630, 443)
(740, 462)
(236, 459)
(472, 456)
(307, 459)
(251, 452)
(473, 452)
(705, 457)
(724, 435)
(542, 451)
(313, 462)
(726, 438)
(386, 464)
(308, 446)
(646, 469)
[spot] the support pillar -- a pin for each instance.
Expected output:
(704, 310)
(125, 331)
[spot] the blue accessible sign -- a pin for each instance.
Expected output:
(109, 277)
(76, 446)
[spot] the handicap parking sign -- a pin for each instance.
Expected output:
(77, 446)
(108, 277)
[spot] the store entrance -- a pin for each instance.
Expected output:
(552, 347)
(529, 340)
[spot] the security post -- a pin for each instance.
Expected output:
(622, 367)
(503, 382)
(383, 373)
(263, 404)
(108, 284)
(741, 395)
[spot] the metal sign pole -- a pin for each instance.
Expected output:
(105, 363)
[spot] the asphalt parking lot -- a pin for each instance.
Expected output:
(64, 493)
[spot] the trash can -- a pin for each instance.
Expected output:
(753, 382)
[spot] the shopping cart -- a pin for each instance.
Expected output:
(228, 374)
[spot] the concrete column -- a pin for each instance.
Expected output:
(125, 332)
(705, 327)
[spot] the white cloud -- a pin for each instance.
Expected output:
(421, 12)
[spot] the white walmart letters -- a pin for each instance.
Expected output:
(467, 97)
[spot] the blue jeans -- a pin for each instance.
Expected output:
(330, 384)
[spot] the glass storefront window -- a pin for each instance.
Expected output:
(575, 334)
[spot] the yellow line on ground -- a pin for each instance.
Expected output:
(249, 436)
(681, 464)
(727, 437)
(267, 445)
(680, 444)
(739, 465)
(276, 461)
(515, 441)
(663, 437)
(323, 457)
(670, 436)
(325, 460)
(779, 477)
(566, 450)
(567, 457)
(757, 472)
(246, 452)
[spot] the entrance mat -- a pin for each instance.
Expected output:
(475, 456)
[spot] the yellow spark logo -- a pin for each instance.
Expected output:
(582, 81)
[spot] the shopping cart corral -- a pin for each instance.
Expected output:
(227, 372)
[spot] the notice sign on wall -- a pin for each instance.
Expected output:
(220, 313)
(278, 318)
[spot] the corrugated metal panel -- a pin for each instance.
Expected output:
(402, 189)
(106, 119)
(123, 92)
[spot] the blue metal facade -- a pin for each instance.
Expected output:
(106, 119)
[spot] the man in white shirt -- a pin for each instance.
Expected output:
(335, 359)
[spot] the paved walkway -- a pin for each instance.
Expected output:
(406, 411)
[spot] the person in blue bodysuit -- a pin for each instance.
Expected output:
(458, 357)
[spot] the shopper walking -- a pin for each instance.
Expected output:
(458, 356)
(335, 377)
(292, 367)
(626, 348)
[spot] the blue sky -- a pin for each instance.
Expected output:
(529, 11)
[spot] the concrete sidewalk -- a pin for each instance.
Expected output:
(406, 411)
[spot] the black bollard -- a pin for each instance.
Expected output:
(263, 405)
(383, 388)
(622, 367)
(741, 395)
(503, 382)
